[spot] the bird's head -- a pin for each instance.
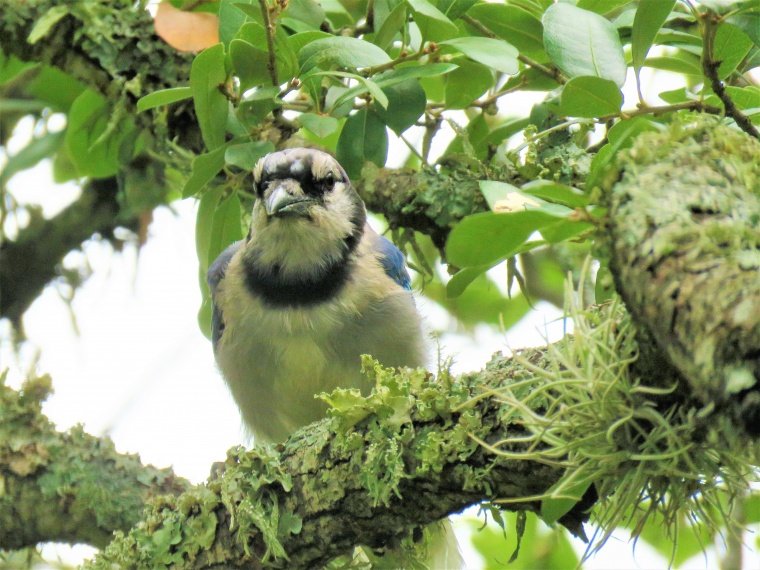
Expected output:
(306, 214)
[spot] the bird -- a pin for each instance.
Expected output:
(310, 289)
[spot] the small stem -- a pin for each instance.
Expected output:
(710, 69)
(401, 59)
(554, 73)
(272, 64)
(661, 110)
(558, 127)
(416, 153)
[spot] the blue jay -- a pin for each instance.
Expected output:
(310, 289)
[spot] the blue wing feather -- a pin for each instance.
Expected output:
(214, 277)
(393, 261)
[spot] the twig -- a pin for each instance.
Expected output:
(710, 70)
(554, 73)
(272, 63)
(698, 106)
(424, 50)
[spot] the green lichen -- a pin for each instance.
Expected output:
(246, 490)
(383, 453)
(174, 530)
(686, 211)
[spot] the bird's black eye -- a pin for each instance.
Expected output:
(328, 180)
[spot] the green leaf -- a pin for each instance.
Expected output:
(320, 125)
(604, 288)
(211, 107)
(56, 88)
(650, 16)
(483, 302)
(556, 193)
(453, 9)
(250, 64)
(496, 54)
(722, 6)
(363, 138)
(204, 222)
(163, 97)
(583, 43)
(21, 106)
(203, 170)
(731, 45)
(233, 14)
(246, 155)
(227, 227)
(749, 23)
(589, 96)
(306, 11)
(337, 13)
(677, 96)
(462, 278)
(685, 63)
(372, 87)
(36, 150)
(390, 78)
(342, 51)
(93, 139)
(257, 69)
(519, 27)
(257, 105)
(743, 97)
(46, 22)
(12, 67)
(494, 191)
(502, 132)
(391, 26)
(467, 83)
(752, 508)
(298, 41)
(564, 230)
(406, 103)
(433, 24)
(601, 6)
(484, 239)
(563, 495)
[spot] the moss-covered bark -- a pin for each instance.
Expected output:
(685, 242)
(69, 487)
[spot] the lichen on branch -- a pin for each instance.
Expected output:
(685, 242)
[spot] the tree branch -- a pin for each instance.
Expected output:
(33, 259)
(710, 69)
(684, 245)
(70, 486)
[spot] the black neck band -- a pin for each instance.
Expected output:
(277, 290)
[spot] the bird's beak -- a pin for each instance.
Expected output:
(283, 204)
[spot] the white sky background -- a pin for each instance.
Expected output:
(141, 372)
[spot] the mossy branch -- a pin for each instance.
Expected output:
(685, 243)
(66, 487)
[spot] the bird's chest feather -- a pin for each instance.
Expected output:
(275, 359)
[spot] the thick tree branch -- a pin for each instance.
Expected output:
(32, 260)
(685, 244)
(375, 474)
(66, 486)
